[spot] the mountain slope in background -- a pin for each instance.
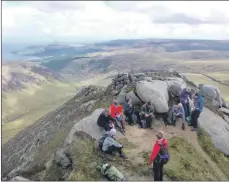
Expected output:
(16, 76)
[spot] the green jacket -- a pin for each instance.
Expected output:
(147, 109)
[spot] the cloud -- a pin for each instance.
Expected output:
(97, 20)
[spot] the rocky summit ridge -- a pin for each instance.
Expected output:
(54, 147)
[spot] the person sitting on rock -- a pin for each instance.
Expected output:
(105, 120)
(198, 108)
(147, 115)
(184, 99)
(179, 112)
(116, 113)
(109, 144)
(129, 111)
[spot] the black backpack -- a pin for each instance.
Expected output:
(101, 140)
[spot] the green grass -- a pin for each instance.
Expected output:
(31, 104)
(218, 157)
(198, 78)
(86, 156)
(186, 163)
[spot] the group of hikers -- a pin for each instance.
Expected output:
(184, 109)
(113, 118)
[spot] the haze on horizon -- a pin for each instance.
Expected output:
(84, 21)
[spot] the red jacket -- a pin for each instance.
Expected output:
(157, 148)
(114, 110)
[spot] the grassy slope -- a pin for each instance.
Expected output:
(31, 104)
(198, 78)
(184, 163)
(221, 161)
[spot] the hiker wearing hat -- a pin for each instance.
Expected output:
(147, 115)
(198, 108)
(116, 113)
(159, 156)
(105, 120)
(108, 143)
(178, 112)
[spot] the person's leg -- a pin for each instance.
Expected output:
(151, 121)
(112, 149)
(156, 171)
(194, 119)
(185, 108)
(197, 117)
(130, 119)
(188, 109)
(161, 172)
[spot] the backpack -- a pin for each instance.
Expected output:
(143, 123)
(134, 118)
(163, 155)
(101, 140)
(111, 173)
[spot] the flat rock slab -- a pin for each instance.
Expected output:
(217, 128)
(89, 126)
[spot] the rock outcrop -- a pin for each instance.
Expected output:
(211, 92)
(217, 128)
(156, 92)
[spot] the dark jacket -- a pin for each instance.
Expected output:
(128, 108)
(103, 120)
(147, 109)
(184, 96)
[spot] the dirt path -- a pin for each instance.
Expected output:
(145, 138)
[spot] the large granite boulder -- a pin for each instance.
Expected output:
(211, 92)
(156, 92)
(217, 128)
(176, 80)
(122, 95)
(134, 99)
(175, 90)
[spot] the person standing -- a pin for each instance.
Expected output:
(185, 101)
(159, 156)
(198, 108)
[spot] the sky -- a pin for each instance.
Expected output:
(85, 21)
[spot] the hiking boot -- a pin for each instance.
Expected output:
(123, 156)
(189, 124)
(193, 129)
(132, 124)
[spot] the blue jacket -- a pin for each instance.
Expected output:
(199, 103)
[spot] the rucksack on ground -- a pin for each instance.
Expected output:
(112, 173)
(164, 155)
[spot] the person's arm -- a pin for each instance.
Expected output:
(143, 109)
(151, 111)
(155, 151)
(113, 142)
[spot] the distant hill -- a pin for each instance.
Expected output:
(16, 76)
